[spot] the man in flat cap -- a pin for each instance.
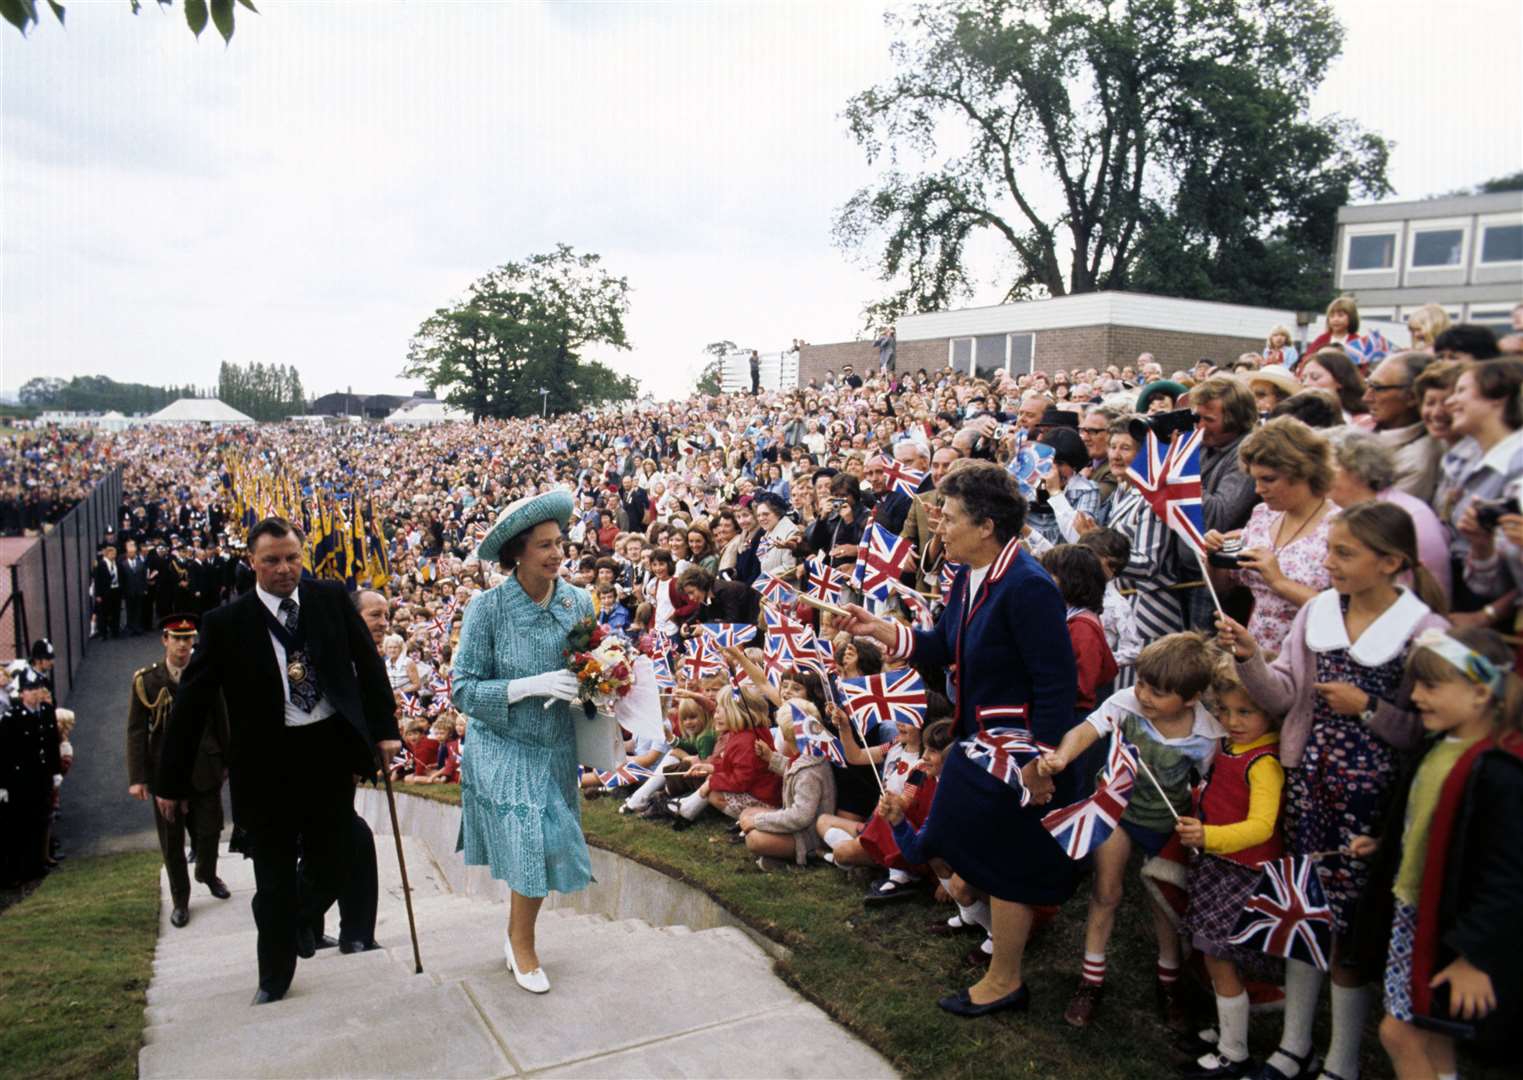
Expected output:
(153, 694)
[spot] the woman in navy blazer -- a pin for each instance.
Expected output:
(1004, 638)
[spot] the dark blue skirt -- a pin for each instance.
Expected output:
(979, 827)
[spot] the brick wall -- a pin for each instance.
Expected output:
(1074, 347)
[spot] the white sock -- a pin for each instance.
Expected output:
(900, 877)
(1351, 1004)
(987, 948)
(835, 836)
(646, 793)
(692, 806)
(1303, 987)
(1449, 1076)
(977, 913)
(1232, 1019)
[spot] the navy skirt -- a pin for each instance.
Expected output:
(977, 824)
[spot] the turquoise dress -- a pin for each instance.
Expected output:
(520, 813)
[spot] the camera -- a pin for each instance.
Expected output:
(1489, 514)
(1165, 425)
(1226, 558)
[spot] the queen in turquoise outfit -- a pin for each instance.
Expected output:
(518, 787)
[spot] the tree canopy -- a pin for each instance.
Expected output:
(98, 393)
(522, 328)
(22, 14)
(263, 391)
(1157, 145)
(710, 380)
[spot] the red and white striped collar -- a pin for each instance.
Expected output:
(1006, 559)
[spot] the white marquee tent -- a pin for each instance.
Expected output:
(197, 411)
(420, 412)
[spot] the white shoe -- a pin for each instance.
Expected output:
(536, 981)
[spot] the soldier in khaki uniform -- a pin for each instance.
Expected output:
(153, 694)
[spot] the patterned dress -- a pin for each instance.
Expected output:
(1338, 790)
(1300, 560)
(518, 787)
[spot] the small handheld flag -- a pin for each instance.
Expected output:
(1033, 462)
(1168, 479)
(812, 737)
(896, 697)
(1000, 753)
(728, 635)
(1287, 915)
(881, 558)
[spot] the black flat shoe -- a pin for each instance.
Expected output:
(960, 1004)
(1222, 1070)
(888, 891)
(306, 943)
(218, 888)
(348, 947)
(179, 917)
(325, 942)
(1306, 1066)
(264, 997)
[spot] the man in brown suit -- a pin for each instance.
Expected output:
(153, 694)
(920, 524)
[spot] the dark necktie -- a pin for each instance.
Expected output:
(305, 693)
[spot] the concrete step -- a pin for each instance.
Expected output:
(327, 976)
(425, 1030)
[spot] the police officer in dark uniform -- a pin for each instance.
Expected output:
(153, 694)
(40, 659)
(29, 771)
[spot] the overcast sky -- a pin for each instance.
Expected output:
(311, 193)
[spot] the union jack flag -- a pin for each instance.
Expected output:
(915, 604)
(1287, 915)
(902, 478)
(1033, 462)
(1367, 350)
(823, 581)
(662, 667)
(727, 635)
(1168, 478)
(821, 659)
(439, 626)
(624, 776)
(1086, 824)
(893, 697)
(440, 686)
(661, 644)
(774, 589)
(995, 751)
(813, 738)
(947, 577)
(1120, 763)
(787, 637)
(702, 659)
(881, 558)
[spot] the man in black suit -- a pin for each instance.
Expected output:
(134, 570)
(108, 593)
(307, 696)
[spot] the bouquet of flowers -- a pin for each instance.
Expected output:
(602, 662)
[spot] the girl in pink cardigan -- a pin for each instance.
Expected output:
(1340, 682)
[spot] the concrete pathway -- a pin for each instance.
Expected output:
(628, 999)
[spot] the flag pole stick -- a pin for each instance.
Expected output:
(1205, 574)
(1143, 765)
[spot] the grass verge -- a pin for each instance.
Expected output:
(75, 959)
(879, 971)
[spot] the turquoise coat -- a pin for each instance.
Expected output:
(520, 813)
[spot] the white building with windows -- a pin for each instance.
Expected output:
(1463, 252)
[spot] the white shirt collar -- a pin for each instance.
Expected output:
(273, 602)
(1500, 456)
(1383, 640)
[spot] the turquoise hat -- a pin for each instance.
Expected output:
(522, 515)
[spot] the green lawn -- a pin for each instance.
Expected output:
(75, 959)
(879, 972)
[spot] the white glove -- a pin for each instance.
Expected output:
(556, 685)
(58, 780)
(5, 796)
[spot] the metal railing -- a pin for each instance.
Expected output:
(50, 584)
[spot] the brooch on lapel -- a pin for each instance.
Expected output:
(566, 603)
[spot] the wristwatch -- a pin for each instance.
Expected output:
(1367, 717)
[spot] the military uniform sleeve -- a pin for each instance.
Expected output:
(137, 733)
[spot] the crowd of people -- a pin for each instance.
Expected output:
(1330, 676)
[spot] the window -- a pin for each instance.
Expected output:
(960, 354)
(1499, 319)
(1022, 350)
(1437, 248)
(1502, 244)
(1370, 251)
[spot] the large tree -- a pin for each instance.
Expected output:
(522, 328)
(711, 379)
(1161, 145)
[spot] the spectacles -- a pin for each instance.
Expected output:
(1378, 387)
(1095, 430)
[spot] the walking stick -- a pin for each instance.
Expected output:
(396, 834)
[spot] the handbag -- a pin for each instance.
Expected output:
(599, 742)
